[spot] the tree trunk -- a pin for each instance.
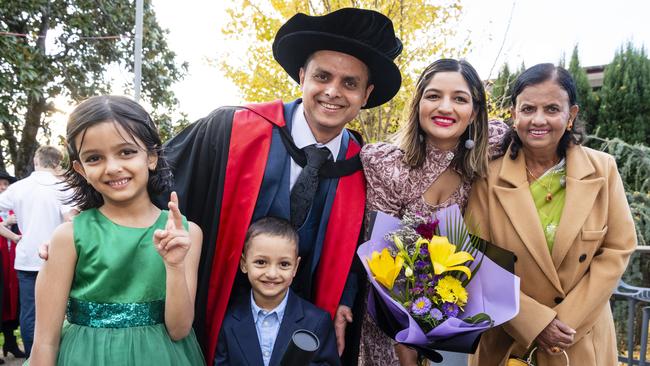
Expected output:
(2, 160)
(12, 143)
(28, 145)
(36, 107)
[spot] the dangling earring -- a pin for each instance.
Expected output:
(569, 125)
(469, 143)
(420, 137)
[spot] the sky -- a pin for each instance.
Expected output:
(529, 31)
(539, 31)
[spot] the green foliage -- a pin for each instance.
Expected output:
(587, 99)
(34, 71)
(422, 27)
(501, 86)
(499, 92)
(478, 318)
(625, 97)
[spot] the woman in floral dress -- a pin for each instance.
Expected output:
(442, 148)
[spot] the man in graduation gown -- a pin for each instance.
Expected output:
(239, 164)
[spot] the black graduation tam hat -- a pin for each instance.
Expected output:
(5, 175)
(364, 34)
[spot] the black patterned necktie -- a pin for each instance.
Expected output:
(304, 190)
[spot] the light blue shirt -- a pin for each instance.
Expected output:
(267, 324)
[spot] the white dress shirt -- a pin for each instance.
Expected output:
(37, 202)
(302, 136)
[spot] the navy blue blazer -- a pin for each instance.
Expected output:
(238, 343)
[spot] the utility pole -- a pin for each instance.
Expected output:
(137, 67)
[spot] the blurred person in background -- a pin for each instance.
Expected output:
(38, 202)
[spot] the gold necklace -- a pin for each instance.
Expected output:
(549, 195)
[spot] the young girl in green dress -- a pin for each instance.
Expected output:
(123, 273)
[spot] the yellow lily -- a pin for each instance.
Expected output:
(385, 268)
(445, 258)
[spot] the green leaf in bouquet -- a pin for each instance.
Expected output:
(474, 246)
(458, 234)
(478, 318)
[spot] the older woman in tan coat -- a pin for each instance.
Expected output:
(561, 209)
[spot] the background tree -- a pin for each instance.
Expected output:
(58, 48)
(499, 91)
(625, 97)
(587, 99)
(562, 61)
(501, 87)
(424, 29)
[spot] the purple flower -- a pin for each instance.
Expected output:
(436, 314)
(450, 309)
(421, 306)
(417, 290)
(423, 277)
(434, 281)
(420, 265)
(424, 250)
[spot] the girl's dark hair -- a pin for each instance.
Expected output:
(271, 226)
(411, 138)
(135, 120)
(534, 76)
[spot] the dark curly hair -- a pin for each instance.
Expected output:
(536, 75)
(135, 120)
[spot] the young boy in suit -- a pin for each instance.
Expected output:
(257, 328)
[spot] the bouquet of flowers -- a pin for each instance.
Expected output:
(434, 285)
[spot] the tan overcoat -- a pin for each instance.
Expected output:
(594, 240)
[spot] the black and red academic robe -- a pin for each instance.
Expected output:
(219, 164)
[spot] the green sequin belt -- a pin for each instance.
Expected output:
(124, 315)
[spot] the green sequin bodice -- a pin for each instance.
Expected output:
(116, 264)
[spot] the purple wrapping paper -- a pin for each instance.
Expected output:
(493, 290)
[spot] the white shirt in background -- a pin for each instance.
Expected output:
(38, 204)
